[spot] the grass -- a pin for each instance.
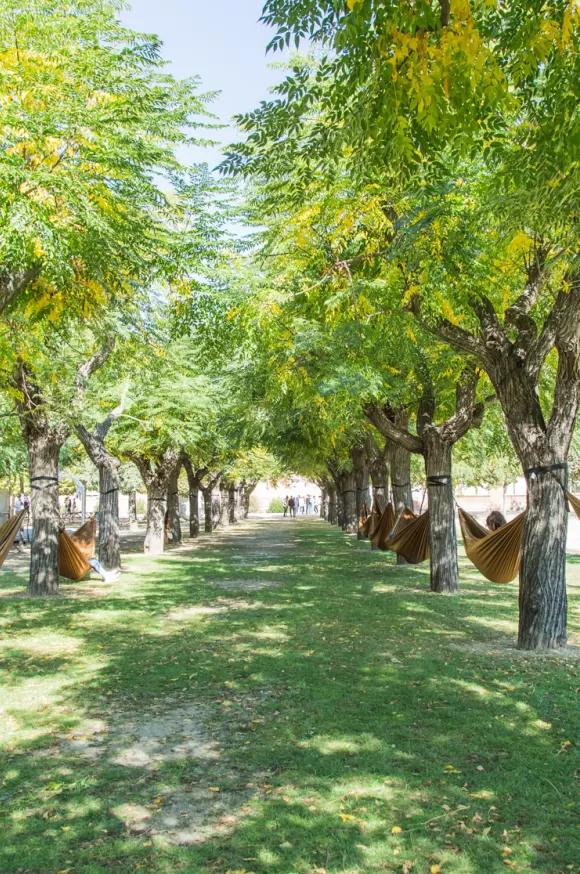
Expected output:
(283, 700)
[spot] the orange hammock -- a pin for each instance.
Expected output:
(74, 550)
(496, 554)
(8, 532)
(411, 537)
(371, 521)
(379, 535)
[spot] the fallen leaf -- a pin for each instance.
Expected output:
(396, 830)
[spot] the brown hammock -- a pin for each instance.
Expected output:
(575, 502)
(74, 550)
(411, 537)
(379, 535)
(8, 532)
(496, 554)
(372, 519)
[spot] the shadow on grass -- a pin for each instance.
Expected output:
(352, 728)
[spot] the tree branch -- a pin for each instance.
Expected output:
(13, 283)
(467, 413)
(457, 337)
(567, 389)
(380, 419)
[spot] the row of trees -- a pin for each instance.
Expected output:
(409, 298)
(417, 176)
(104, 233)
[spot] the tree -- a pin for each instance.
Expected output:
(172, 407)
(89, 126)
(45, 429)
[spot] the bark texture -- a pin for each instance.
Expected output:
(194, 481)
(359, 460)
(108, 466)
(43, 453)
(173, 523)
(133, 524)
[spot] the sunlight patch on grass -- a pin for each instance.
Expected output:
(349, 744)
(507, 626)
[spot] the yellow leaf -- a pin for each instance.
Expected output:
(213, 788)
(65, 828)
(345, 816)
(352, 3)
(435, 869)
(396, 830)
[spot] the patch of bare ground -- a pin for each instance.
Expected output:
(210, 801)
(246, 585)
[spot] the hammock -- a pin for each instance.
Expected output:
(8, 532)
(411, 537)
(371, 521)
(496, 554)
(382, 531)
(74, 550)
(363, 520)
(575, 502)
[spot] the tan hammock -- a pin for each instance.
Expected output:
(371, 521)
(74, 550)
(496, 554)
(8, 532)
(380, 534)
(411, 537)
(575, 502)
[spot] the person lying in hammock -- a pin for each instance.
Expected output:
(495, 520)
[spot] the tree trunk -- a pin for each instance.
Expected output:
(542, 599)
(247, 492)
(379, 471)
(361, 473)
(400, 464)
(350, 517)
(324, 502)
(156, 474)
(193, 510)
(109, 535)
(208, 509)
(156, 507)
(173, 524)
(332, 505)
(133, 524)
(442, 534)
(43, 455)
(224, 517)
(216, 506)
(233, 504)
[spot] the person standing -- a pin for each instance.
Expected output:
(292, 505)
(285, 505)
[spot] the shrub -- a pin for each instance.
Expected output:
(276, 506)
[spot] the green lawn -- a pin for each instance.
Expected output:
(281, 699)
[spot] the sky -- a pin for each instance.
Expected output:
(219, 40)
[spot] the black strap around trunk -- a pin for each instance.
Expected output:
(51, 481)
(439, 480)
(532, 472)
(400, 485)
(110, 492)
(349, 492)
